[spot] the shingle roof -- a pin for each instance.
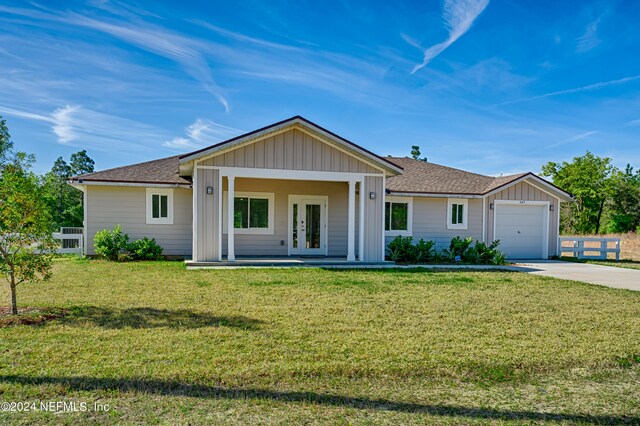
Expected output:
(429, 178)
(162, 171)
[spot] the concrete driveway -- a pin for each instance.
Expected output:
(594, 274)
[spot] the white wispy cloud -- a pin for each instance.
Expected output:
(573, 138)
(200, 133)
(458, 16)
(586, 88)
(75, 125)
(185, 51)
(634, 122)
(589, 39)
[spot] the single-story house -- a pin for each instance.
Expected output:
(294, 188)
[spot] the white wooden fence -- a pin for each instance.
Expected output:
(601, 246)
(71, 240)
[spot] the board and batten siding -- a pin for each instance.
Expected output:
(276, 244)
(207, 223)
(374, 249)
(108, 206)
(291, 150)
(430, 221)
(524, 191)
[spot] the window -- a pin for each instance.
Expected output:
(252, 212)
(398, 216)
(159, 206)
(457, 213)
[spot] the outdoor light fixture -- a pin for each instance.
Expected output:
(372, 195)
(551, 207)
(209, 190)
(491, 206)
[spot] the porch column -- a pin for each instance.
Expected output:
(351, 229)
(231, 255)
(363, 196)
(194, 238)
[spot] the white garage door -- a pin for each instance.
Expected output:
(521, 230)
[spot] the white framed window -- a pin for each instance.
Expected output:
(159, 206)
(398, 216)
(253, 212)
(457, 213)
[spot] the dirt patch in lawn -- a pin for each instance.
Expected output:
(29, 315)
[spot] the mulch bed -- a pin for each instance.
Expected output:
(29, 315)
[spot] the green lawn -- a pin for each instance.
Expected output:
(160, 344)
(624, 263)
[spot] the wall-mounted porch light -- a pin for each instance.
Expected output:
(491, 206)
(209, 190)
(372, 195)
(550, 207)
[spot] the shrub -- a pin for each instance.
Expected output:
(458, 248)
(484, 254)
(110, 243)
(145, 249)
(402, 250)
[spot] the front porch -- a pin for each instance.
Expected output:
(253, 216)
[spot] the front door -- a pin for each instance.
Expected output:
(308, 225)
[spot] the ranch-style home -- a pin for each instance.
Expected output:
(296, 189)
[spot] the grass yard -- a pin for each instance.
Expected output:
(160, 344)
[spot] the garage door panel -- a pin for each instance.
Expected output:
(520, 229)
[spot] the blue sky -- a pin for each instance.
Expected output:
(492, 86)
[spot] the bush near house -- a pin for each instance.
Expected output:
(402, 250)
(114, 245)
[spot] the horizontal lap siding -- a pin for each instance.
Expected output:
(108, 206)
(291, 150)
(527, 192)
(430, 221)
(269, 245)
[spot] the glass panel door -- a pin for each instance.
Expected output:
(313, 226)
(308, 225)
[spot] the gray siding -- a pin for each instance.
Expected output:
(108, 206)
(207, 222)
(430, 221)
(527, 192)
(373, 219)
(291, 150)
(270, 245)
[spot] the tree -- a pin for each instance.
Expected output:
(26, 242)
(625, 201)
(415, 153)
(6, 145)
(64, 201)
(588, 179)
(81, 163)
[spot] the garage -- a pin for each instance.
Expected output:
(522, 228)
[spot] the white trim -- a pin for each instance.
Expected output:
(270, 196)
(361, 197)
(465, 213)
(484, 220)
(545, 220)
(324, 215)
(149, 204)
(85, 221)
(251, 172)
(220, 212)
(297, 123)
(558, 207)
(194, 248)
(398, 200)
(556, 193)
(231, 253)
(351, 222)
(383, 248)
(134, 184)
(433, 195)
